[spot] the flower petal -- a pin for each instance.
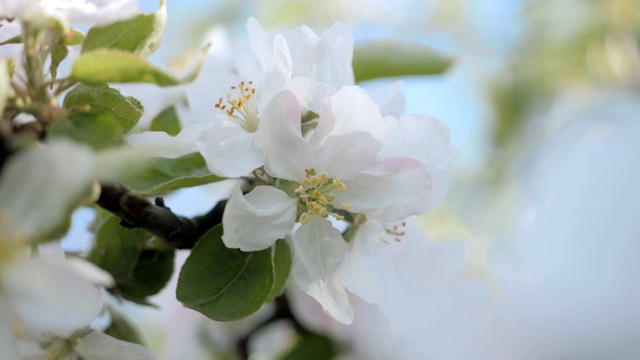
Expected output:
(333, 56)
(346, 155)
(100, 346)
(310, 93)
(279, 72)
(255, 221)
(301, 42)
(368, 271)
(350, 109)
(395, 189)
(320, 249)
(389, 98)
(421, 137)
(170, 146)
(27, 180)
(48, 296)
(228, 149)
(288, 154)
(94, 13)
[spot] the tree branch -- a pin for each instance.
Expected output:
(139, 212)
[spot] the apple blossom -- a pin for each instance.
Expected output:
(333, 172)
(313, 67)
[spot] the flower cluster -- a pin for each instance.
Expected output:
(324, 156)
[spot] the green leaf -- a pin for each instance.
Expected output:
(281, 268)
(122, 328)
(110, 65)
(116, 249)
(103, 99)
(102, 116)
(167, 121)
(97, 130)
(225, 284)
(73, 37)
(312, 347)
(391, 59)
(58, 54)
(141, 35)
(139, 271)
(152, 272)
(170, 174)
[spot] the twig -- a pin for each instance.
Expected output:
(139, 212)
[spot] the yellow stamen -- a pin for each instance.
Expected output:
(304, 218)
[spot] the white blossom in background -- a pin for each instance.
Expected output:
(46, 298)
(80, 12)
(337, 168)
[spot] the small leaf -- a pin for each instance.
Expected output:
(73, 37)
(97, 130)
(110, 65)
(225, 284)
(167, 121)
(390, 59)
(58, 54)
(116, 249)
(102, 116)
(122, 328)
(312, 347)
(151, 273)
(126, 110)
(171, 174)
(141, 35)
(281, 268)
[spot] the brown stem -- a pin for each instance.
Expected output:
(139, 212)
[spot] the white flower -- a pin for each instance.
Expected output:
(45, 299)
(311, 66)
(81, 12)
(335, 170)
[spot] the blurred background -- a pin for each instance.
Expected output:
(535, 253)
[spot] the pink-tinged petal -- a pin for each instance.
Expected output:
(50, 297)
(368, 271)
(170, 146)
(280, 137)
(333, 56)
(311, 94)
(320, 249)
(389, 98)
(7, 341)
(100, 346)
(421, 137)
(350, 109)
(255, 221)
(395, 189)
(228, 149)
(347, 155)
